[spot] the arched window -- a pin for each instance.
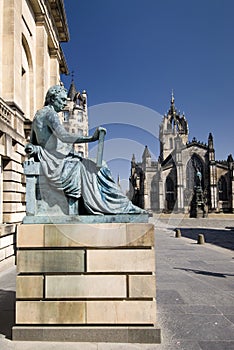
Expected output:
(195, 163)
(222, 186)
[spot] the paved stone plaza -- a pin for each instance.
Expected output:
(195, 290)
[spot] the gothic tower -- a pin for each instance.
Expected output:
(173, 126)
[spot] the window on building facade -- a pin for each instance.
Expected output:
(80, 132)
(80, 117)
(66, 116)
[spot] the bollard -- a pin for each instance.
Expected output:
(200, 239)
(177, 233)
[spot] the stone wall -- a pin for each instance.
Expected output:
(7, 246)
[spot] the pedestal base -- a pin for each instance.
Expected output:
(147, 335)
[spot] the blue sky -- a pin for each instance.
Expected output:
(136, 52)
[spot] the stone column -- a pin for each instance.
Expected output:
(146, 194)
(54, 68)
(180, 188)
(213, 186)
(12, 47)
(42, 64)
(161, 197)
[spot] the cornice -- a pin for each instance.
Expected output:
(51, 15)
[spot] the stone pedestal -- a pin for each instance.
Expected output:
(86, 282)
(198, 207)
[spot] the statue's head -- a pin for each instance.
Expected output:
(57, 97)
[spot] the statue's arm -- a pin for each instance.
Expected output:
(61, 133)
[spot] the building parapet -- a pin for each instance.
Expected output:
(12, 120)
(196, 142)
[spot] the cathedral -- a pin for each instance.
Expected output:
(168, 185)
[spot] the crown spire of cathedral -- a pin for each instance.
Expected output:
(172, 97)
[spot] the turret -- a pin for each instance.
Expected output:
(72, 91)
(146, 157)
(211, 150)
(133, 165)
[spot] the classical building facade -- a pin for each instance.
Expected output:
(168, 184)
(31, 60)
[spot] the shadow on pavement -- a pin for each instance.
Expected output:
(7, 312)
(206, 273)
(220, 237)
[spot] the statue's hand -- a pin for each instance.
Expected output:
(97, 131)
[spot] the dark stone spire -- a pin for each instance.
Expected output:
(146, 153)
(72, 91)
(210, 141)
(230, 158)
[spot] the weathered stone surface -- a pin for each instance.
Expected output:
(77, 264)
(119, 312)
(30, 236)
(14, 217)
(6, 263)
(6, 229)
(113, 334)
(94, 235)
(142, 286)
(6, 241)
(6, 252)
(121, 260)
(29, 287)
(2, 254)
(140, 234)
(86, 286)
(9, 251)
(50, 312)
(13, 186)
(50, 261)
(100, 235)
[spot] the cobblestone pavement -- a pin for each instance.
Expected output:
(195, 290)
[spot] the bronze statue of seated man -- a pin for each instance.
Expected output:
(66, 172)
